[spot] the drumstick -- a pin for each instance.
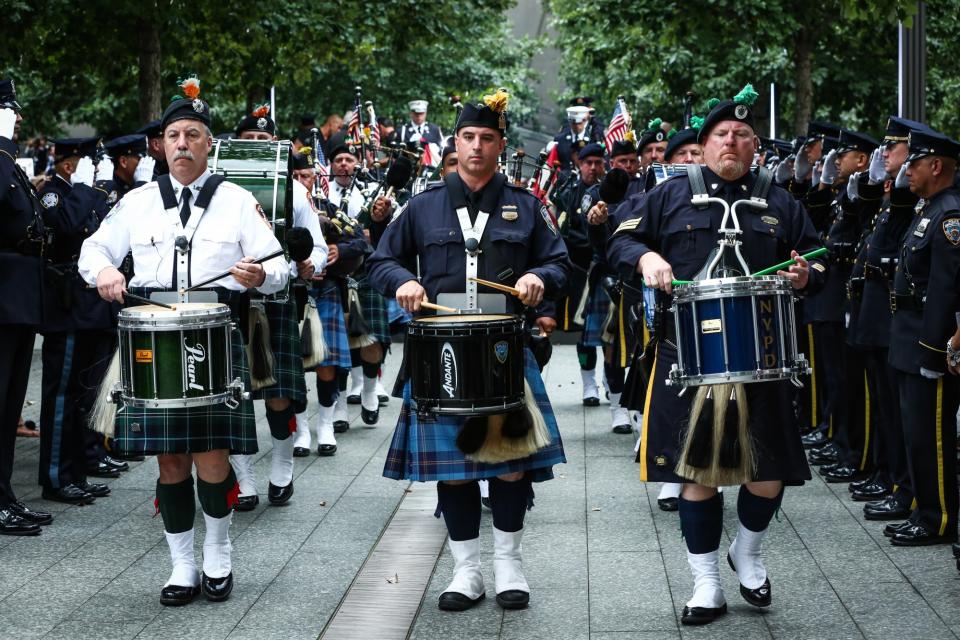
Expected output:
(816, 253)
(223, 275)
(495, 285)
(438, 307)
(148, 301)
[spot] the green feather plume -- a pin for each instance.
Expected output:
(712, 102)
(654, 124)
(696, 122)
(671, 133)
(747, 96)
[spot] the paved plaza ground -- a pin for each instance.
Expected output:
(602, 560)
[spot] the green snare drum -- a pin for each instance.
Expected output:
(192, 342)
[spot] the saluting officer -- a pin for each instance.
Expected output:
(132, 166)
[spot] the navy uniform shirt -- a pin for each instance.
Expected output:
(929, 272)
(845, 229)
(573, 200)
(665, 221)
(21, 234)
(519, 238)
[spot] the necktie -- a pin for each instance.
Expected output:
(185, 207)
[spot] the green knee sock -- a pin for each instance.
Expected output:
(218, 498)
(176, 505)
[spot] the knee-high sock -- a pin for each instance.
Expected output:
(615, 377)
(177, 505)
(460, 505)
(282, 423)
(218, 498)
(508, 502)
(701, 523)
(587, 357)
(327, 392)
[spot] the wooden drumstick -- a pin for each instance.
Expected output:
(438, 307)
(496, 285)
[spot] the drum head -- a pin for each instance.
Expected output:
(486, 317)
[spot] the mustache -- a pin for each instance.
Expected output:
(184, 153)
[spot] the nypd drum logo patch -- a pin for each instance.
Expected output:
(951, 229)
(501, 350)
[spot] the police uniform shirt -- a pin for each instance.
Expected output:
(413, 133)
(354, 199)
(231, 227)
(305, 216)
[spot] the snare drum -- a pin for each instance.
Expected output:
(739, 329)
(466, 365)
(176, 358)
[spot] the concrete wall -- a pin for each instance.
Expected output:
(531, 18)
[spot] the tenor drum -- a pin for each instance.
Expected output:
(176, 358)
(466, 365)
(738, 329)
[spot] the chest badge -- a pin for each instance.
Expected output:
(770, 220)
(49, 200)
(951, 229)
(921, 229)
(509, 212)
(585, 203)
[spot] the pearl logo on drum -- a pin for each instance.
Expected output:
(448, 365)
(194, 355)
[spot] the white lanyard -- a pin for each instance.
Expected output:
(182, 257)
(471, 238)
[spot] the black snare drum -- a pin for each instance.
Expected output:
(466, 365)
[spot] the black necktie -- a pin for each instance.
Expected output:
(185, 208)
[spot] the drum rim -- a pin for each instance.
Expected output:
(740, 286)
(174, 403)
(487, 317)
(215, 316)
(732, 377)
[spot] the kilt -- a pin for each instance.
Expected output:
(287, 355)
(330, 310)
(427, 450)
(777, 448)
(595, 317)
(374, 308)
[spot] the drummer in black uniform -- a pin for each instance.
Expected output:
(926, 297)
(513, 242)
(22, 237)
(665, 236)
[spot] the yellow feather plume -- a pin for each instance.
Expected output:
(498, 101)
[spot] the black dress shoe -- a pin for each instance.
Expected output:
(513, 599)
(826, 454)
(119, 465)
(341, 426)
(857, 484)
(830, 467)
(591, 402)
(12, 524)
(668, 504)
(370, 417)
(300, 452)
(843, 473)
(97, 490)
(353, 399)
(217, 589)
(177, 596)
(326, 449)
(279, 495)
(762, 596)
(70, 494)
(30, 515)
(888, 509)
(246, 503)
(870, 491)
(814, 439)
(623, 429)
(917, 535)
(102, 470)
(454, 601)
(702, 615)
(383, 398)
(893, 527)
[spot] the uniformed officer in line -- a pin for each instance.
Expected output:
(573, 137)
(926, 297)
(517, 244)
(664, 236)
(418, 130)
(132, 166)
(682, 146)
(79, 333)
(154, 133)
(623, 155)
(821, 138)
(287, 397)
(225, 231)
(652, 144)
(22, 237)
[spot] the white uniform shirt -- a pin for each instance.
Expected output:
(229, 229)
(354, 199)
(304, 215)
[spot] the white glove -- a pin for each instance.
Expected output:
(8, 122)
(105, 169)
(782, 174)
(84, 172)
(901, 182)
(876, 171)
(815, 174)
(930, 375)
(853, 186)
(830, 171)
(801, 166)
(144, 170)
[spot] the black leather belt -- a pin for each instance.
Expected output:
(907, 302)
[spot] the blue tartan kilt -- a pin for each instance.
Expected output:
(427, 450)
(287, 355)
(330, 310)
(396, 315)
(374, 308)
(595, 317)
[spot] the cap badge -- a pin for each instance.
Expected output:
(262, 124)
(740, 111)
(659, 136)
(198, 105)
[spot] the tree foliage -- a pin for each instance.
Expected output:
(82, 62)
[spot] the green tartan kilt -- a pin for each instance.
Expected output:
(194, 429)
(374, 308)
(287, 355)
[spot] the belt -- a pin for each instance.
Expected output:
(907, 302)
(855, 288)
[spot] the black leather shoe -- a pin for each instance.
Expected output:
(102, 470)
(300, 452)
(454, 601)
(353, 399)
(870, 491)
(762, 596)
(591, 402)
(843, 473)
(383, 398)
(177, 596)
(830, 467)
(326, 449)
(279, 495)
(513, 599)
(370, 417)
(12, 524)
(888, 509)
(119, 465)
(246, 503)
(69, 494)
(893, 527)
(97, 490)
(813, 439)
(668, 504)
(341, 426)
(857, 484)
(917, 535)
(217, 589)
(623, 429)
(827, 454)
(30, 515)
(702, 615)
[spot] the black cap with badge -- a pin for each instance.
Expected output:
(74, 147)
(189, 106)
(856, 141)
(653, 133)
(492, 114)
(737, 109)
(8, 95)
(898, 129)
(258, 120)
(931, 143)
(132, 145)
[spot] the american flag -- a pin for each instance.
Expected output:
(353, 128)
(617, 128)
(323, 172)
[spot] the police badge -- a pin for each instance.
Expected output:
(501, 350)
(262, 124)
(49, 200)
(740, 112)
(198, 105)
(951, 229)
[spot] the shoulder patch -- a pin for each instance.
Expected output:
(819, 267)
(112, 197)
(263, 216)
(548, 219)
(951, 229)
(49, 200)
(629, 225)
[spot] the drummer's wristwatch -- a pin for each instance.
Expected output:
(953, 355)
